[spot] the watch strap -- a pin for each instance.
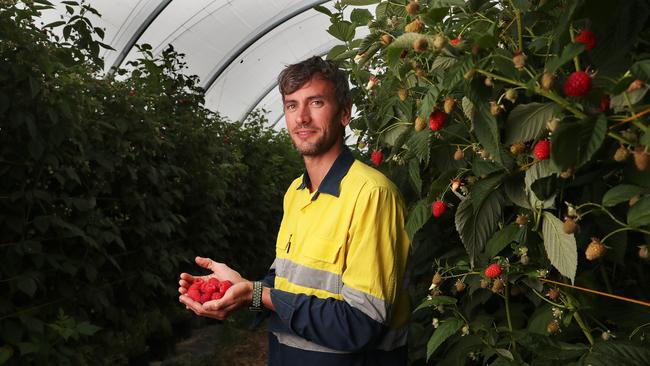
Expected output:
(256, 303)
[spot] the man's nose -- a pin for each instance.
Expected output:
(304, 115)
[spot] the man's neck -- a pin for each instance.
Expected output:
(318, 166)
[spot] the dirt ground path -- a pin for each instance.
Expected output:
(220, 345)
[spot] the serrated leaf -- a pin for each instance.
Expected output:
(360, 17)
(475, 225)
(342, 30)
(435, 301)
(526, 121)
(540, 170)
(394, 132)
(561, 247)
(573, 144)
(443, 62)
(639, 213)
(418, 216)
(446, 329)
(483, 188)
(336, 51)
(570, 51)
(621, 193)
(414, 174)
(618, 353)
(419, 145)
(468, 107)
(405, 40)
(487, 132)
(501, 239)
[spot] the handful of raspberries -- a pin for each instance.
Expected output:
(202, 291)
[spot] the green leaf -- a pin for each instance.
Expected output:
(516, 191)
(322, 9)
(359, 2)
(435, 301)
(560, 247)
(502, 239)
(336, 51)
(568, 53)
(361, 17)
(54, 24)
(618, 353)
(573, 144)
(526, 121)
(414, 174)
(5, 353)
(27, 285)
(475, 225)
(645, 139)
(540, 170)
(86, 328)
(445, 330)
(418, 216)
(342, 30)
(443, 62)
(419, 145)
(487, 131)
(392, 134)
(434, 16)
(641, 70)
(545, 188)
(484, 188)
(405, 40)
(619, 102)
(621, 193)
(639, 213)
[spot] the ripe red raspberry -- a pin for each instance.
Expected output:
(437, 120)
(542, 149)
(588, 38)
(377, 157)
(455, 41)
(216, 296)
(194, 293)
(208, 288)
(577, 84)
(493, 270)
(205, 297)
(438, 208)
(224, 286)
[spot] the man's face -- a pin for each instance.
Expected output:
(314, 119)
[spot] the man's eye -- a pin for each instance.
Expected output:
(290, 107)
(317, 103)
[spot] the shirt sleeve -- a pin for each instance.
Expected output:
(375, 262)
(329, 322)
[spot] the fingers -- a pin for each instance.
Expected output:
(207, 263)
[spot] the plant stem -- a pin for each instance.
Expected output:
(576, 60)
(634, 120)
(547, 300)
(608, 285)
(584, 327)
(618, 138)
(520, 41)
(508, 317)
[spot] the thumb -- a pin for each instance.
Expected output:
(206, 263)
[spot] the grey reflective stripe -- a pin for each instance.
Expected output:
(274, 264)
(393, 339)
(374, 307)
(292, 340)
(308, 277)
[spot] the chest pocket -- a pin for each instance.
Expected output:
(323, 252)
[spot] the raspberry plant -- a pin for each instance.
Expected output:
(546, 121)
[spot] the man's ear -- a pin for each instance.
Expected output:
(346, 115)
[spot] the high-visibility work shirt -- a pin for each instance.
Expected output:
(338, 277)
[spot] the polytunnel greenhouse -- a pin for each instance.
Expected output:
(352, 182)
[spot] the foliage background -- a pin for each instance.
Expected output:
(109, 186)
(504, 204)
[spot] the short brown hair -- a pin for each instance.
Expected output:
(293, 77)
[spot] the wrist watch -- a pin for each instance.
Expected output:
(256, 304)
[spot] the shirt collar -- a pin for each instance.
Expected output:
(332, 181)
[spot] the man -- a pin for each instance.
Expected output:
(335, 291)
